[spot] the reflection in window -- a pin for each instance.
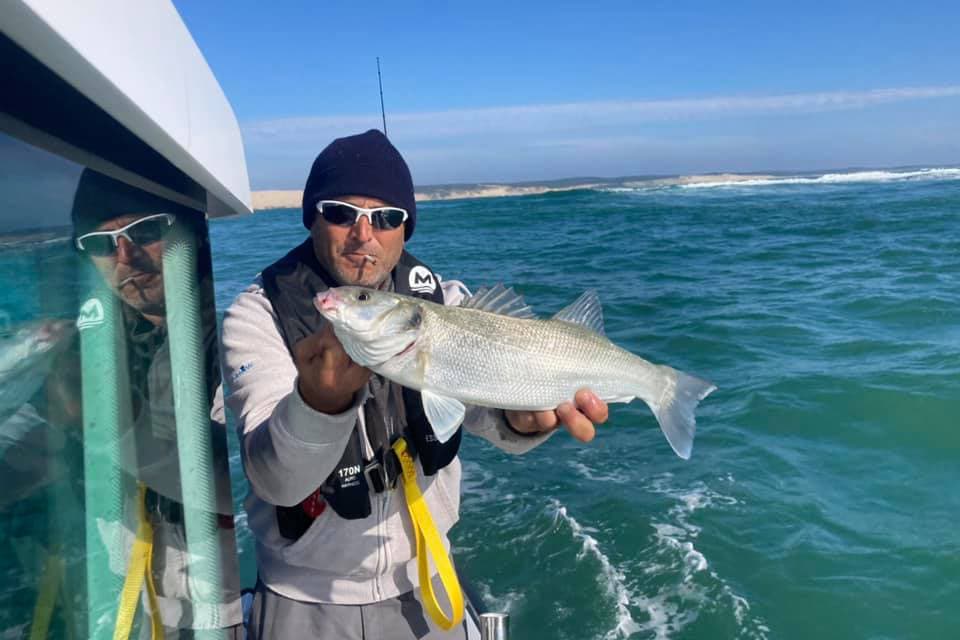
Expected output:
(98, 332)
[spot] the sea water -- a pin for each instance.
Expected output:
(821, 500)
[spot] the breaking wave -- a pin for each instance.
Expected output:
(829, 178)
(614, 580)
(676, 535)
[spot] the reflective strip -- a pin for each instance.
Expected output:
(425, 531)
(139, 570)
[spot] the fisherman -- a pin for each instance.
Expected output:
(121, 230)
(335, 544)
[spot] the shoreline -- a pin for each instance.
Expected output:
(291, 198)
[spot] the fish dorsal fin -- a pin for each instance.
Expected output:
(499, 299)
(585, 311)
(444, 414)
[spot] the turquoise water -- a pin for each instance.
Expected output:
(821, 500)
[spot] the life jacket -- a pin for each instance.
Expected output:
(291, 284)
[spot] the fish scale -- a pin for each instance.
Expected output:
(525, 364)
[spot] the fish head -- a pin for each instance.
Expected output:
(373, 326)
(25, 346)
(28, 354)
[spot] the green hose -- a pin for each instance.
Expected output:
(106, 410)
(192, 410)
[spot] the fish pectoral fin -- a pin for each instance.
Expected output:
(445, 414)
(585, 311)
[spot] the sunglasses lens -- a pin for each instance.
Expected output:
(339, 214)
(388, 218)
(148, 231)
(97, 245)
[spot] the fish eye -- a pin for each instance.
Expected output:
(363, 297)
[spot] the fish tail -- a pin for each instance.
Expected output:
(676, 407)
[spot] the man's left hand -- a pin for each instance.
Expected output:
(578, 417)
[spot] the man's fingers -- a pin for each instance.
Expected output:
(576, 423)
(532, 421)
(316, 344)
(591, 406)
(545, 420)
(324, 345)
(579, 419)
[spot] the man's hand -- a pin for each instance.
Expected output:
(578, 419)
(328, 378)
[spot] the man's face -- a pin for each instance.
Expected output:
(343, 251)
(134, 271)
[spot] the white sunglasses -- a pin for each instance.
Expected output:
(146, 230)
(344, 214)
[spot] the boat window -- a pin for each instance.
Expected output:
(115, 505)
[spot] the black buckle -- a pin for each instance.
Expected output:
(383, 471)
(376, 476)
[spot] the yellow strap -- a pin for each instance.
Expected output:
(46, 596)
(139, 570)
(426, 534)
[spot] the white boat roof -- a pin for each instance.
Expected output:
(137, 61)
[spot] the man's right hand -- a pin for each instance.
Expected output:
(328, 378)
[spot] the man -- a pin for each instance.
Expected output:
(121, 230)
(335, 548)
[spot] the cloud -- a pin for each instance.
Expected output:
(718, 133)
(593, 117)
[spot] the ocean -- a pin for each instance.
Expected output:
(821, 499)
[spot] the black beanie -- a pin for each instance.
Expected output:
(100, 198)
(362, 165)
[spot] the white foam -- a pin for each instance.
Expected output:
(506, 602)
(676, 539)
(834, 178)
(614, 578)
(480, 484)
(588, 473)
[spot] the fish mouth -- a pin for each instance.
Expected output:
(407, 349)
(328, 302)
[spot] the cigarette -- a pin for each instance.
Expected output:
(370, 259)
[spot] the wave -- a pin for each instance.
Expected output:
(676, 552)
(827, 178)
(614, 578)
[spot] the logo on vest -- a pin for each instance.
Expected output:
(421, 280)
(91, 314)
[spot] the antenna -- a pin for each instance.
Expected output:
(382, 112)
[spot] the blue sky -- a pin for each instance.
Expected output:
(513, 91)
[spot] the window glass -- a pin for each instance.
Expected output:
(115, 503)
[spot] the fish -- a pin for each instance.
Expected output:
(492, 351)
(27, 354)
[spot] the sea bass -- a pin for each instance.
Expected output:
(27, 354)
(493, 352)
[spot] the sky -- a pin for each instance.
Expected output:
(529, 91)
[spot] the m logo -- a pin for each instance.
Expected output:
(421, 280)
(91, 314)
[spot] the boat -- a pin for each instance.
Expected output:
(118, 90)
